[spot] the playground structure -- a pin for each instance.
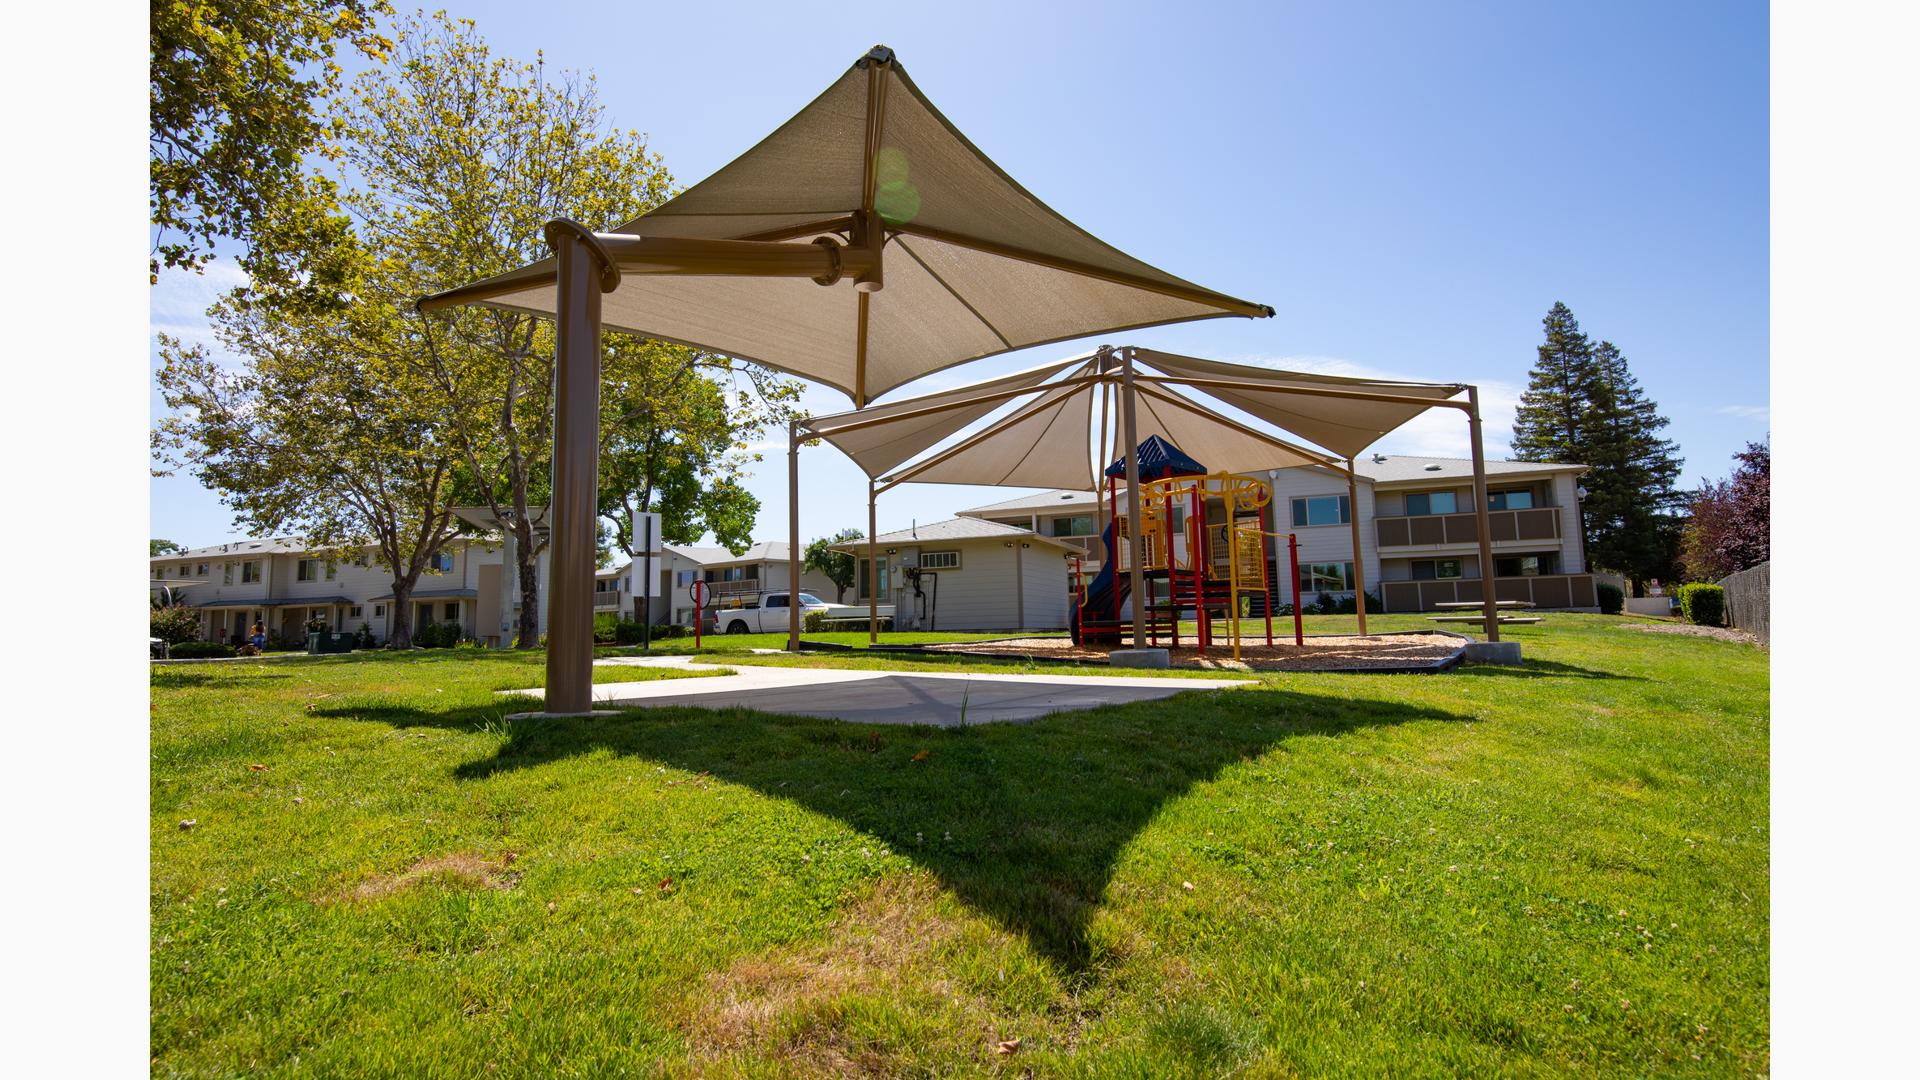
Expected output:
(1187, 558)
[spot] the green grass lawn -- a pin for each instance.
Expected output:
(1558, 869)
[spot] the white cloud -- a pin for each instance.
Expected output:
(177, 305)
(1746, 412)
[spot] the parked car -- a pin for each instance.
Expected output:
(763, 613)
(766, 613)
(156, 649)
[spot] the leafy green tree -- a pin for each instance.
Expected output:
(173, 623)
(162, 547)
(231, 106)
(327, 429)
(837, 566)
(674, 434)
(457, 160)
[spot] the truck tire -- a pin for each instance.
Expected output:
(736, 627)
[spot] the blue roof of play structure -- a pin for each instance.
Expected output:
(1157, 455)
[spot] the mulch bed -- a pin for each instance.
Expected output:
(1388, 652)
(1718, 633)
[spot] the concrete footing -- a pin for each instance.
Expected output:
(1492, 652)
(594, 715)
(1139, 658)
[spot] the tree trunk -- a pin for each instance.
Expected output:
(402, 635)
(839, 593)
(529, 571)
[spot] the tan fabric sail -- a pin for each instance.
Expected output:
(1052, 439)
(974, 265)
(880, 437)
(1301, 403)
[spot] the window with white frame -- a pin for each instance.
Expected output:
(1325, 577)
(226, 573)
(353, 611)
(1321, 510)
(443, 562)
(940, 560)
(307, 570)
(249, 572)
(379, 610)
(202, 571)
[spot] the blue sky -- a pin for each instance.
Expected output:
(1410, 186)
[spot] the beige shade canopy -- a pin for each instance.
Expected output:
(1059, 438)
(880, 437)
(1310, 406)
(974, 265)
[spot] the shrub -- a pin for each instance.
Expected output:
(173, 624)
(1612, 599)
(670, 630)
(199, 650)
(815, 622)
(629, 632)
(1703, 605)
(363, 639)
(603, 628)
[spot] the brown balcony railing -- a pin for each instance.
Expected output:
(1430, 530)
(1540, 590)
(734, 587)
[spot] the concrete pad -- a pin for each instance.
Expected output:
(941, 699)
(1140, 658)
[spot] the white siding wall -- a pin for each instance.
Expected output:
(1566, 495)
(980, 595)
(1322, 543)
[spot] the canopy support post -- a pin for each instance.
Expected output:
(793, 536)
(1359, 562)
(581, 276)
(1135, 550)
(873, 573)
(1489, 604)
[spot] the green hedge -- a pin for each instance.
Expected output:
(1703, 605)
(198, 650)
(1612, 598)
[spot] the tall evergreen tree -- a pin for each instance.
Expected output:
(1552, 420)
(1584, 405)
(1630, 499)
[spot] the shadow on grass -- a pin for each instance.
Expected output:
(1542, 669)
(1024, 822)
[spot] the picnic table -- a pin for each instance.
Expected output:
(1475, 605)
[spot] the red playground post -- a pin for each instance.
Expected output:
(699, 602)
(1293, 559)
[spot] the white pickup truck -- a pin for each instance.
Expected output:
(767, 614)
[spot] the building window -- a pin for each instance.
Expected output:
(940, 560)
(379, 610)
(860, 579)
(202, 571)
(330, 569)
(1321, 510)
(1077, 525)
(249, 572)
(353, 611)
(1431, 502)
(683, 578)
(1325, 577)
(1515, 499)
(443, 562)
(1435, 569)
(307, 570)
(1523, 565)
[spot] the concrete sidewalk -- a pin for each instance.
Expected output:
(941, 699)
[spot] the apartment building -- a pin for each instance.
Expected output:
(1419, 539)
(286, 584)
